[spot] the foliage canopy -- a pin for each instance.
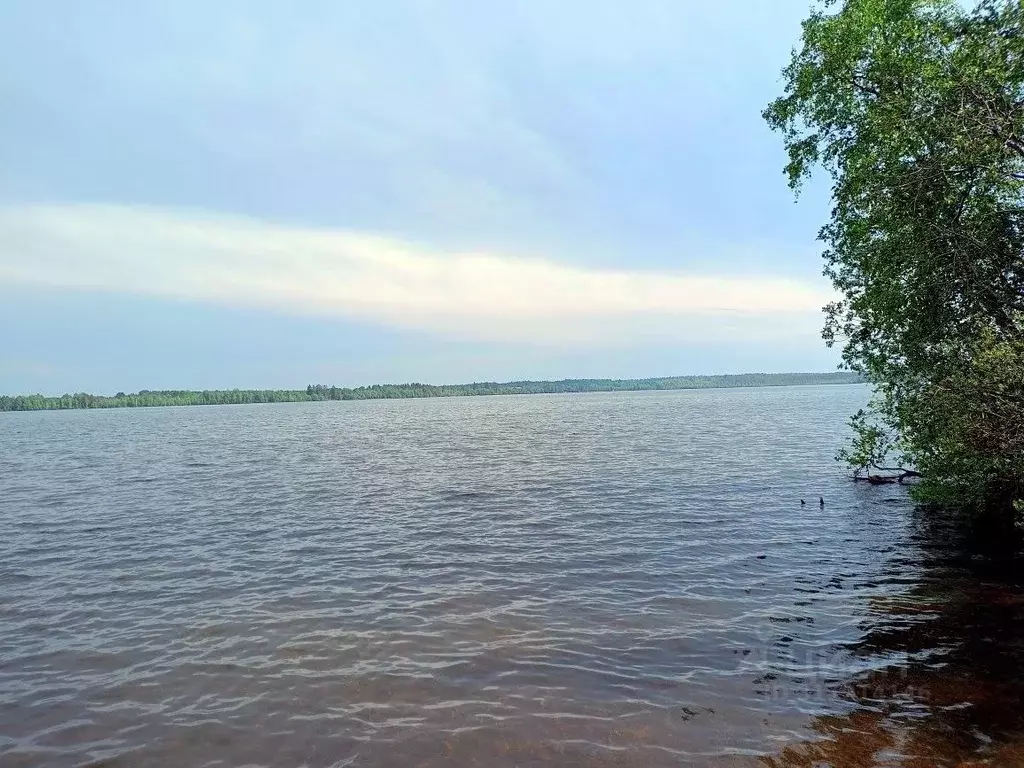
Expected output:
(915, 108)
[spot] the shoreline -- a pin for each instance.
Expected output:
(319, 393)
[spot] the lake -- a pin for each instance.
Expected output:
(622, 579)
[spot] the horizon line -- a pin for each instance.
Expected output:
(449, 385)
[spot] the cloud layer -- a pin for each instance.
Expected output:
(485, 296)
(600, 131)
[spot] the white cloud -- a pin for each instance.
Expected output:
(491, 296)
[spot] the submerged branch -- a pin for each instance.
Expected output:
(902, 473)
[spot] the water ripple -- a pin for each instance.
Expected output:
(600, 579)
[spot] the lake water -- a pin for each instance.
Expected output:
(622, 579)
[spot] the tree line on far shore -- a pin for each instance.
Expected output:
(318, 392)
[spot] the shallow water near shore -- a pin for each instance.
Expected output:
(621, 579)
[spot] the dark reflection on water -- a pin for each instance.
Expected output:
(947, 684)
(595, 580)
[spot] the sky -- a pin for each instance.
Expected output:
(269, 194)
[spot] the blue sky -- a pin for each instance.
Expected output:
(199, 194)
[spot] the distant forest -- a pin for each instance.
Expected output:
(317, 392)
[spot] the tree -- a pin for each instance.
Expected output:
(915, 108)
